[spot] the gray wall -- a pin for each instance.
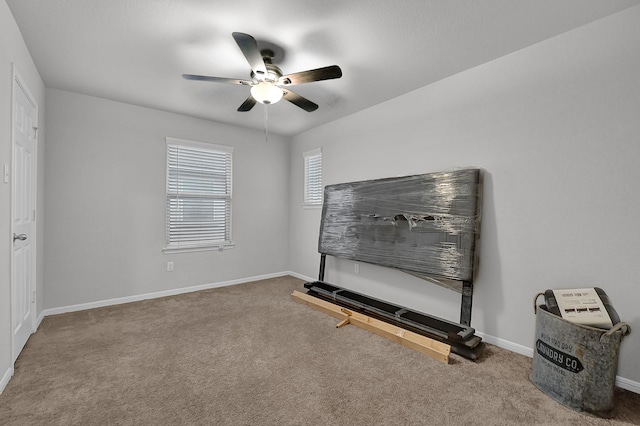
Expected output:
(14, 51)
(105, 197)
(554, 125)
(556, 128)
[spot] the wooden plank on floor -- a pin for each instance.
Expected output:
(430, 347)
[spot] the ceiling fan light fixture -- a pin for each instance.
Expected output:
(266, 92)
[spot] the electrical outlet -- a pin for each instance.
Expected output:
(169, 266)
(356, 268)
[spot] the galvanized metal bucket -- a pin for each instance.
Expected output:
(575, 364)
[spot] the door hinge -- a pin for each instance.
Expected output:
(33, 298)
(34, 216)
(35, 132)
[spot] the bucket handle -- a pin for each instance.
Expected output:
(535, 301)
(623, 326)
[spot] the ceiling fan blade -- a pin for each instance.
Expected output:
(247, 105)
(250, 50)
(319, 74)
(298, 100)
(216, 79)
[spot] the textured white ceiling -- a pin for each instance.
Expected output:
(135, 51)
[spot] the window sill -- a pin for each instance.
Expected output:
(188, 249)
(312, 206)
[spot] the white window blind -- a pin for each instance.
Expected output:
(198, 195)
(313, 190)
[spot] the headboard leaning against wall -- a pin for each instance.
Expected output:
(426, 225)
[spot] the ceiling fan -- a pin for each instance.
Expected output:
(268, 84)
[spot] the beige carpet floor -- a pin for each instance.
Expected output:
(249, 355)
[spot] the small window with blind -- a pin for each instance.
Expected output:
(198, 196)
(313, 190)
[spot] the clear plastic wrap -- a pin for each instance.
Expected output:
(426, 225)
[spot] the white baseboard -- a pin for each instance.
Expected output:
(39, 321)
(505, 344)
(627, 384)
(5, 378)
(154, 295)
(300, 276)
(621, 382)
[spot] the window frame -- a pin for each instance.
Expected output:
(201, 245)
(308, 201)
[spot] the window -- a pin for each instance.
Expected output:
(313, 191)
(198, 196)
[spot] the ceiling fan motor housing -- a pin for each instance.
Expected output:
(273, 71)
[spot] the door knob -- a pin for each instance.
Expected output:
(20, 237)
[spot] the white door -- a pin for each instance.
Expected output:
(23, 213)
